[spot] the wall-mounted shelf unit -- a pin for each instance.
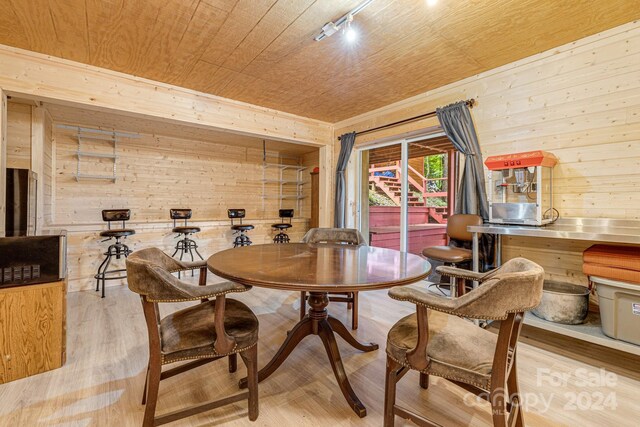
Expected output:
(282, 180)
(96, 144)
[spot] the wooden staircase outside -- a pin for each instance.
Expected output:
(391, 188)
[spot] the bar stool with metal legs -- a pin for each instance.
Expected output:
(186, 244)
(282, 237)
(240, 229)
(118, 249)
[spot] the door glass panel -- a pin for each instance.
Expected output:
(384, 195)
(428, 195)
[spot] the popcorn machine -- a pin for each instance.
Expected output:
(521, 188)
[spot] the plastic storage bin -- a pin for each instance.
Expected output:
(619, 309)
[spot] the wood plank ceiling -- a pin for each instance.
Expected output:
(263, 52)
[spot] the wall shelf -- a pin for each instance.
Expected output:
(284, 178)
(589, 331)
(105, 142)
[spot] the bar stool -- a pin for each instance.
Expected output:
(184, 245)
(451, 255)
(282, 237)
(118, 249)
(240, 229)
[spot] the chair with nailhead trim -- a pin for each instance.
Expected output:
(215, 328)
(439, 339)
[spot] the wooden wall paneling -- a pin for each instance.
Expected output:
(32, 328)
(156, 173)
(37, 160)
(327, 189)
(3, 159)
(48, 171)
(18, 135)
(108, 91)
(579, 101)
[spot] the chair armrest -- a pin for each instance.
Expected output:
(213, 291)
(189, 265)
(460, 273)
(423, 298)
(183, 291)
(477, 304)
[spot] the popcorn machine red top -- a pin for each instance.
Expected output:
(520, 188)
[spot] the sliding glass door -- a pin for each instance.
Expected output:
(405, 192)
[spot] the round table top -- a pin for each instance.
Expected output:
(318, 267)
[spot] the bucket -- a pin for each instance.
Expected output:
(564, 303)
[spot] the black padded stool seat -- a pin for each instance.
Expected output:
(117, 250)
(242, 227)
(124, 232)
(281, 226)
(448, 254)
(186, 230)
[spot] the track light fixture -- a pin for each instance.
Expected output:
(344, 23)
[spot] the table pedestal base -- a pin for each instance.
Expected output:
(318, 322)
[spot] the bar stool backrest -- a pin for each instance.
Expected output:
(285, 213)
(110, 215)
(236, 214)
(457, 226)
(176, 214)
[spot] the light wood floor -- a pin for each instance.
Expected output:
(102, 381)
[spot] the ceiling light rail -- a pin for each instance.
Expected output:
(330, 28)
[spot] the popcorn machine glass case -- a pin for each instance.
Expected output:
(520, 188)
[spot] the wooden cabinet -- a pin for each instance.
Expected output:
(315, 200)
(32, 329)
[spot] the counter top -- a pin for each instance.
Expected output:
(593, 229)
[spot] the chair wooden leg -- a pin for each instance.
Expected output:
(514, 395)
(250, 359)
(146, 381)
(424, 380)
(233, 362)
(303, 304)
(391, 380)
(354, 313)
(499, 407)
(153, 386)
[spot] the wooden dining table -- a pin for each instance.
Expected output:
(319, 269)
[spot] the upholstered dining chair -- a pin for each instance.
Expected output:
(438, 340)
(214, 328)
(344, 236)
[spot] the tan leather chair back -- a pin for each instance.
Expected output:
(346, 236)
(457, 226)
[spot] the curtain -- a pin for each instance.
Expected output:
(346, 146)
(457, 124)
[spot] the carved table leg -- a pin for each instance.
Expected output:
(339, 328)
(301, 330)
(318, 322)
(329, 341)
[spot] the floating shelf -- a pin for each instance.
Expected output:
(280, 181)
(102, 155)
(589, 331)
(81, 176)
(281, 166)
(284, 197)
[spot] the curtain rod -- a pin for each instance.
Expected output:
(470, 103)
